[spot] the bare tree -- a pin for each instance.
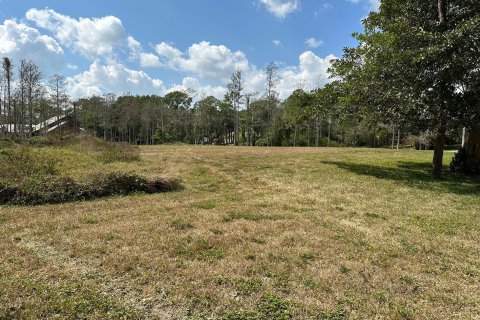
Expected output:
(56, 84)
(235, 87)
(32, 78)
(8, 77)
(271, 95)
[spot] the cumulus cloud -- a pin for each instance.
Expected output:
(277, 42)
(313, 43)
(200, 91)
(370, 5)
(112, 77)
(92, 38)
(72, 66)
(19, 41)
(310, 73)
(207, 61)
(281, 8)
(149, 60)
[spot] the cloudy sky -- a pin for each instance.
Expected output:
(153, 47)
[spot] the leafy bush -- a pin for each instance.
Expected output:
(459, 161)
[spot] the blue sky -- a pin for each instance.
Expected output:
(159, 46)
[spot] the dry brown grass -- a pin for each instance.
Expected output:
(328, 233)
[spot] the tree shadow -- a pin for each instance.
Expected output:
(415, 174)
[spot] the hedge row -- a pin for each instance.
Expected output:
(54, 189)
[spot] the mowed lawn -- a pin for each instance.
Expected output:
(257, 233)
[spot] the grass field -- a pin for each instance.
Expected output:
(257, 233)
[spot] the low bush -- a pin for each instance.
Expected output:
(459, 162)
(64, 189)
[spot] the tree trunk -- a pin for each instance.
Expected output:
(329, 131)
(295, 137)
(437, 163)
(398, 139)
(393, 137)
(442, 11)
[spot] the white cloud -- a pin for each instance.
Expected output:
(207, 61)
(19, 41)
(200, 90)
(313, 43)
(210, 62)
(112, 77)
(374, 4)
(370, 5)
(327, 6)
(72, 66)
(281, 8)
(149, 60)
(277, 42)
(134, 45)
(92, 38)
(311, 72)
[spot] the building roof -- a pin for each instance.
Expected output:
(9, 127)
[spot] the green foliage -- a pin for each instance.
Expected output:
(274, 308)
(416, 66)
(57, 189)
(459, 162)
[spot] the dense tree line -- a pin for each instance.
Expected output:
(326, 116)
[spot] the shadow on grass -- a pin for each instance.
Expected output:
(415, 174)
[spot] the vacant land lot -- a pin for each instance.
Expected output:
(257, 233)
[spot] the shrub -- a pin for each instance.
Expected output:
(53, 189)
(459, 161)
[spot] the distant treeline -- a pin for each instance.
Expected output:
(319, 117)
(303, 119)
